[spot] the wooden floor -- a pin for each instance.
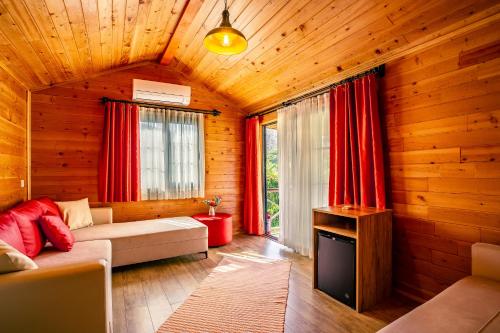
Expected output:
(144, 295)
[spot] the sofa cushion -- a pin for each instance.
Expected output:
(76, 214)
(10, 233)
(81, 252)
(466, 306)
(11, 260)
(49, 207)
(493, 325)
(26, 215)
(129, 235)
(153, 252)
(57, 232)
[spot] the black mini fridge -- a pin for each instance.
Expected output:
(337, 267)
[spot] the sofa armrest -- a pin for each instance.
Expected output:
(67, 298)
(102, 215)
(486, 260)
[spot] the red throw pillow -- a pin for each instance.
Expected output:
(57, 232)
(49, 207)
(10, 233)
(26, 215)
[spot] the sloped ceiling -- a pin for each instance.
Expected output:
(294, 45)
(50, 41)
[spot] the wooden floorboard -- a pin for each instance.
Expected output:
(145, 295)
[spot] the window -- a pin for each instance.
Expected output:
(172, 154)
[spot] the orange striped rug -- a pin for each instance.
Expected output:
(245, 293)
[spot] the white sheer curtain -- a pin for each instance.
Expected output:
(172, 154)
(303, 161)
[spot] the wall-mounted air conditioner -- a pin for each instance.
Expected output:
(161, 92)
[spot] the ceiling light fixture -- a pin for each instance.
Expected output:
(225, 40)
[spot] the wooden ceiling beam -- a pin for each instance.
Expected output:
(188, 14)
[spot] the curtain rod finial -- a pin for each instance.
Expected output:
(215, 112)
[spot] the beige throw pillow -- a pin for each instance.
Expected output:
(76, 214)
(11, 260)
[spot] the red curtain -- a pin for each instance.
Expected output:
(356, 155)
(253, 221)
(119, 163)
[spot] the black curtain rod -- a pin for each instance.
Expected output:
(379, 69)
(214, 112)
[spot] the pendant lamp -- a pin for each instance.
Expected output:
(225, 40)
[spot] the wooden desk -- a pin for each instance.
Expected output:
(372, 229)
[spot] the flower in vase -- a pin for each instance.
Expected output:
(216, 201)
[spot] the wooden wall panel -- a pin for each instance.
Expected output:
(442, 110)
(67, 123)
(13, 157)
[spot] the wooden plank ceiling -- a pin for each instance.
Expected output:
(294, 45)
(43, 42)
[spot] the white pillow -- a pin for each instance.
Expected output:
(11, 260)
(76, 214)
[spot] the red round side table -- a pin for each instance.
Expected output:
(220, 227)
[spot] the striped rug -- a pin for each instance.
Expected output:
(245, 293)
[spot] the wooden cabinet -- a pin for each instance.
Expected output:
(372, 230)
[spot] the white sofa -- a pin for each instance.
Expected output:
(71, 291)
(141, 241)
(470, 305)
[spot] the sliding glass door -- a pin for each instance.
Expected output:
(271, 189)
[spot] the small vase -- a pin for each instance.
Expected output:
(211, 211)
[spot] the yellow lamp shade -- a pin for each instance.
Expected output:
(225, 41)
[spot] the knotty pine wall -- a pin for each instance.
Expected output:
(67, 124)
(13, 153)
(442, 110)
